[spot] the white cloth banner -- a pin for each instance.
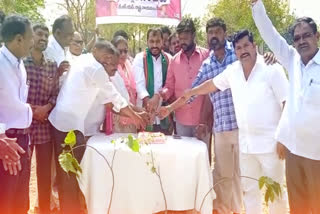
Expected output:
(167, 12)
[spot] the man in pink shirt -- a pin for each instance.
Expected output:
(182, 71)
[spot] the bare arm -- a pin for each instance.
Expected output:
(205, 88)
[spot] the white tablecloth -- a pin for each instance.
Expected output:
(184, 169)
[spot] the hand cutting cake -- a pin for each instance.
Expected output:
(152, 137)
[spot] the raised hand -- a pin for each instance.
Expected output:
(270, 58)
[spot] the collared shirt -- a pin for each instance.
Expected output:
(14, 110)
(138, 69)
(181, 73)
(80, 103)
(119, 84)
(223, 109)
(257, 101)
(299, 128)
(57, 54)
(43, 89)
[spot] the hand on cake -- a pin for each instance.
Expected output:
(139, 120)
(163, 112)
(153, 103)
(145, 116)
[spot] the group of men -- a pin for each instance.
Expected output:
(258, 117)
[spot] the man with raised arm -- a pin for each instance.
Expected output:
(299, 128)
(259, 92)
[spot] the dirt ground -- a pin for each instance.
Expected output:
(33, 186)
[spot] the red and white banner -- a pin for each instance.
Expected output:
(167, 12)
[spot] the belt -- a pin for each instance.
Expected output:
(18, 131)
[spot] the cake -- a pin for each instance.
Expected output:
(152, 137)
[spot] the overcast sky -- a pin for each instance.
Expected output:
(197, 8)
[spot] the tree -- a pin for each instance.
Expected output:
(28, 8)
(201, 37)
(82, 13)
(237, 15)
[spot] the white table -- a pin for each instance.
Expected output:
(184, 169)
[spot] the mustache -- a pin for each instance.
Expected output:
(244, 55)
(155, 49)
(214, 39)
(42, 41)
(303, 45)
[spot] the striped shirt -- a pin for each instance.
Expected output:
(223, 109)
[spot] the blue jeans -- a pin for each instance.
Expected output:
(14, 190)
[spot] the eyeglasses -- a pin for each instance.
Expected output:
(123, 51)
(304, 36)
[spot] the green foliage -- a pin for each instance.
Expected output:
(69, 164)
(67, 160)
(137, 34)
(273, 189)
(83, 16)
(70, 139)
(133, 143)
(201, 37)
(241, 17)
(28, 8)
(153, 169)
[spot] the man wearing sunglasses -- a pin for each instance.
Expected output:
(299, 128)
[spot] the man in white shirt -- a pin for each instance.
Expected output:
(15, 116)
(299, 128)
(76, 46)
(150, 70)
(58, 44)
(80, 106)
(259, 92)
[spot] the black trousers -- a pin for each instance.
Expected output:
(303, 183)
(70, 196)
(14, 190)
(43, 159)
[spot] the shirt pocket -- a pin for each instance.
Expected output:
(306, 124)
